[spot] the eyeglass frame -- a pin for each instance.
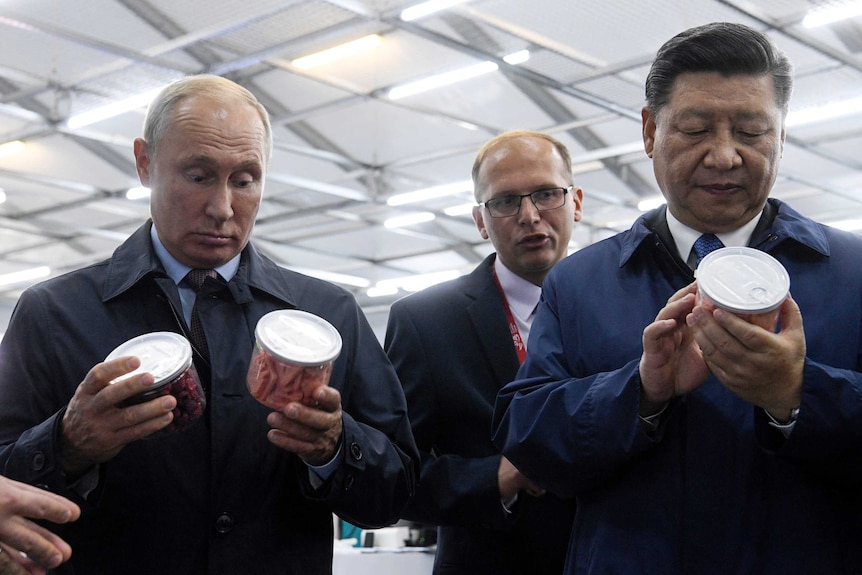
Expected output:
(521, 197)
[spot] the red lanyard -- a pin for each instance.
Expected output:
(520, 347)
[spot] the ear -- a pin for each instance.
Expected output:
(578, 197)
(142, 161)
(648, 130)
(479, 218)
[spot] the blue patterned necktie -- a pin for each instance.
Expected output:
(705, 244)
(196, 278)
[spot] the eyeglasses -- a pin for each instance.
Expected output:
(544, 200)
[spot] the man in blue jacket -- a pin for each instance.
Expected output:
(697, 442)
(243, 490)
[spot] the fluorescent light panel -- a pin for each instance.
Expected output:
(832, 14)
(440, 80)
(113, 109)
(338, 52)
(24, 275)
(427, 8)
(409, 220)
(430, 193)
(828, 111)
(137, 193)
(12, 147)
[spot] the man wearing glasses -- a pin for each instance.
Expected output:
(456, 344)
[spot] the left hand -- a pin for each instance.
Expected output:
(311, 431)
(760, 367)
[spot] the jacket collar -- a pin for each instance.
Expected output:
(135, 260)
(778, 222)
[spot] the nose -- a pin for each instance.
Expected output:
(219, 202)
(529, 213)
(722, 152)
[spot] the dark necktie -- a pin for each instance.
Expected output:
(705, 244)
(195, 278)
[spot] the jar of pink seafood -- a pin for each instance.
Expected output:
(167, 356)
(745, 281)
(293, 356)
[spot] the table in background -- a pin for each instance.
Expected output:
(382, 561)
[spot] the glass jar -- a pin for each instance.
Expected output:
(293, 356)
(167, 356)
(745, 281)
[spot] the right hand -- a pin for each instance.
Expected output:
(511, 481)
(19, 504)
(95, 428)
(672, 363)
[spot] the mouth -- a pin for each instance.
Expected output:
(534, 241)
(721, 188)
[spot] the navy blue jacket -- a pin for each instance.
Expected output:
(217, 497)
(715, 489)
(453, 352)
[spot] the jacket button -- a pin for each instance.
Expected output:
(224, 523)
(355, 451)
(38, 461)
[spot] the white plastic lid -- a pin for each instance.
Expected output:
(743, 280)
(298, 337)
(163, 354)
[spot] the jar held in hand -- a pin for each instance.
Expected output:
(746, 281)
(293, 356)
(167, 356)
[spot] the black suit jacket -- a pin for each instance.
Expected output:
(452, 349)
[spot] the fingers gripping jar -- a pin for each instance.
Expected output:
(745, 281)
(293, 356)
(167, 356)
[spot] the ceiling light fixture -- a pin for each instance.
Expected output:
(426, 8)
(409, 220)
(648, 204)
(12, 147)
(518, 57)
(137, 193)
(417, 282)
(337, 52)
(24, 275)
(459, 210)
(334, 277)
(113, 109)
(821, 17)
(430, 193)
(440, 80)
(847, 225)
(828, 111)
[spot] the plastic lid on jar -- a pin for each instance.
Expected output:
(164, 354)
(298, 337)
(743, 280)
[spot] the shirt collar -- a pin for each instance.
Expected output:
(521, 295)
(177, 271)
(684, 236)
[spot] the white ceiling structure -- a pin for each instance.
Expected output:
(344, 145)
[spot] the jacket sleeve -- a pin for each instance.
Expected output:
(568, 431)
(34, 397)
(378, 470)
(453, 489)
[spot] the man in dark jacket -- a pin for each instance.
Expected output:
(695, 441)
(455, 345)
(243, 490)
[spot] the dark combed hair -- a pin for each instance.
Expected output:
(727, 48)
